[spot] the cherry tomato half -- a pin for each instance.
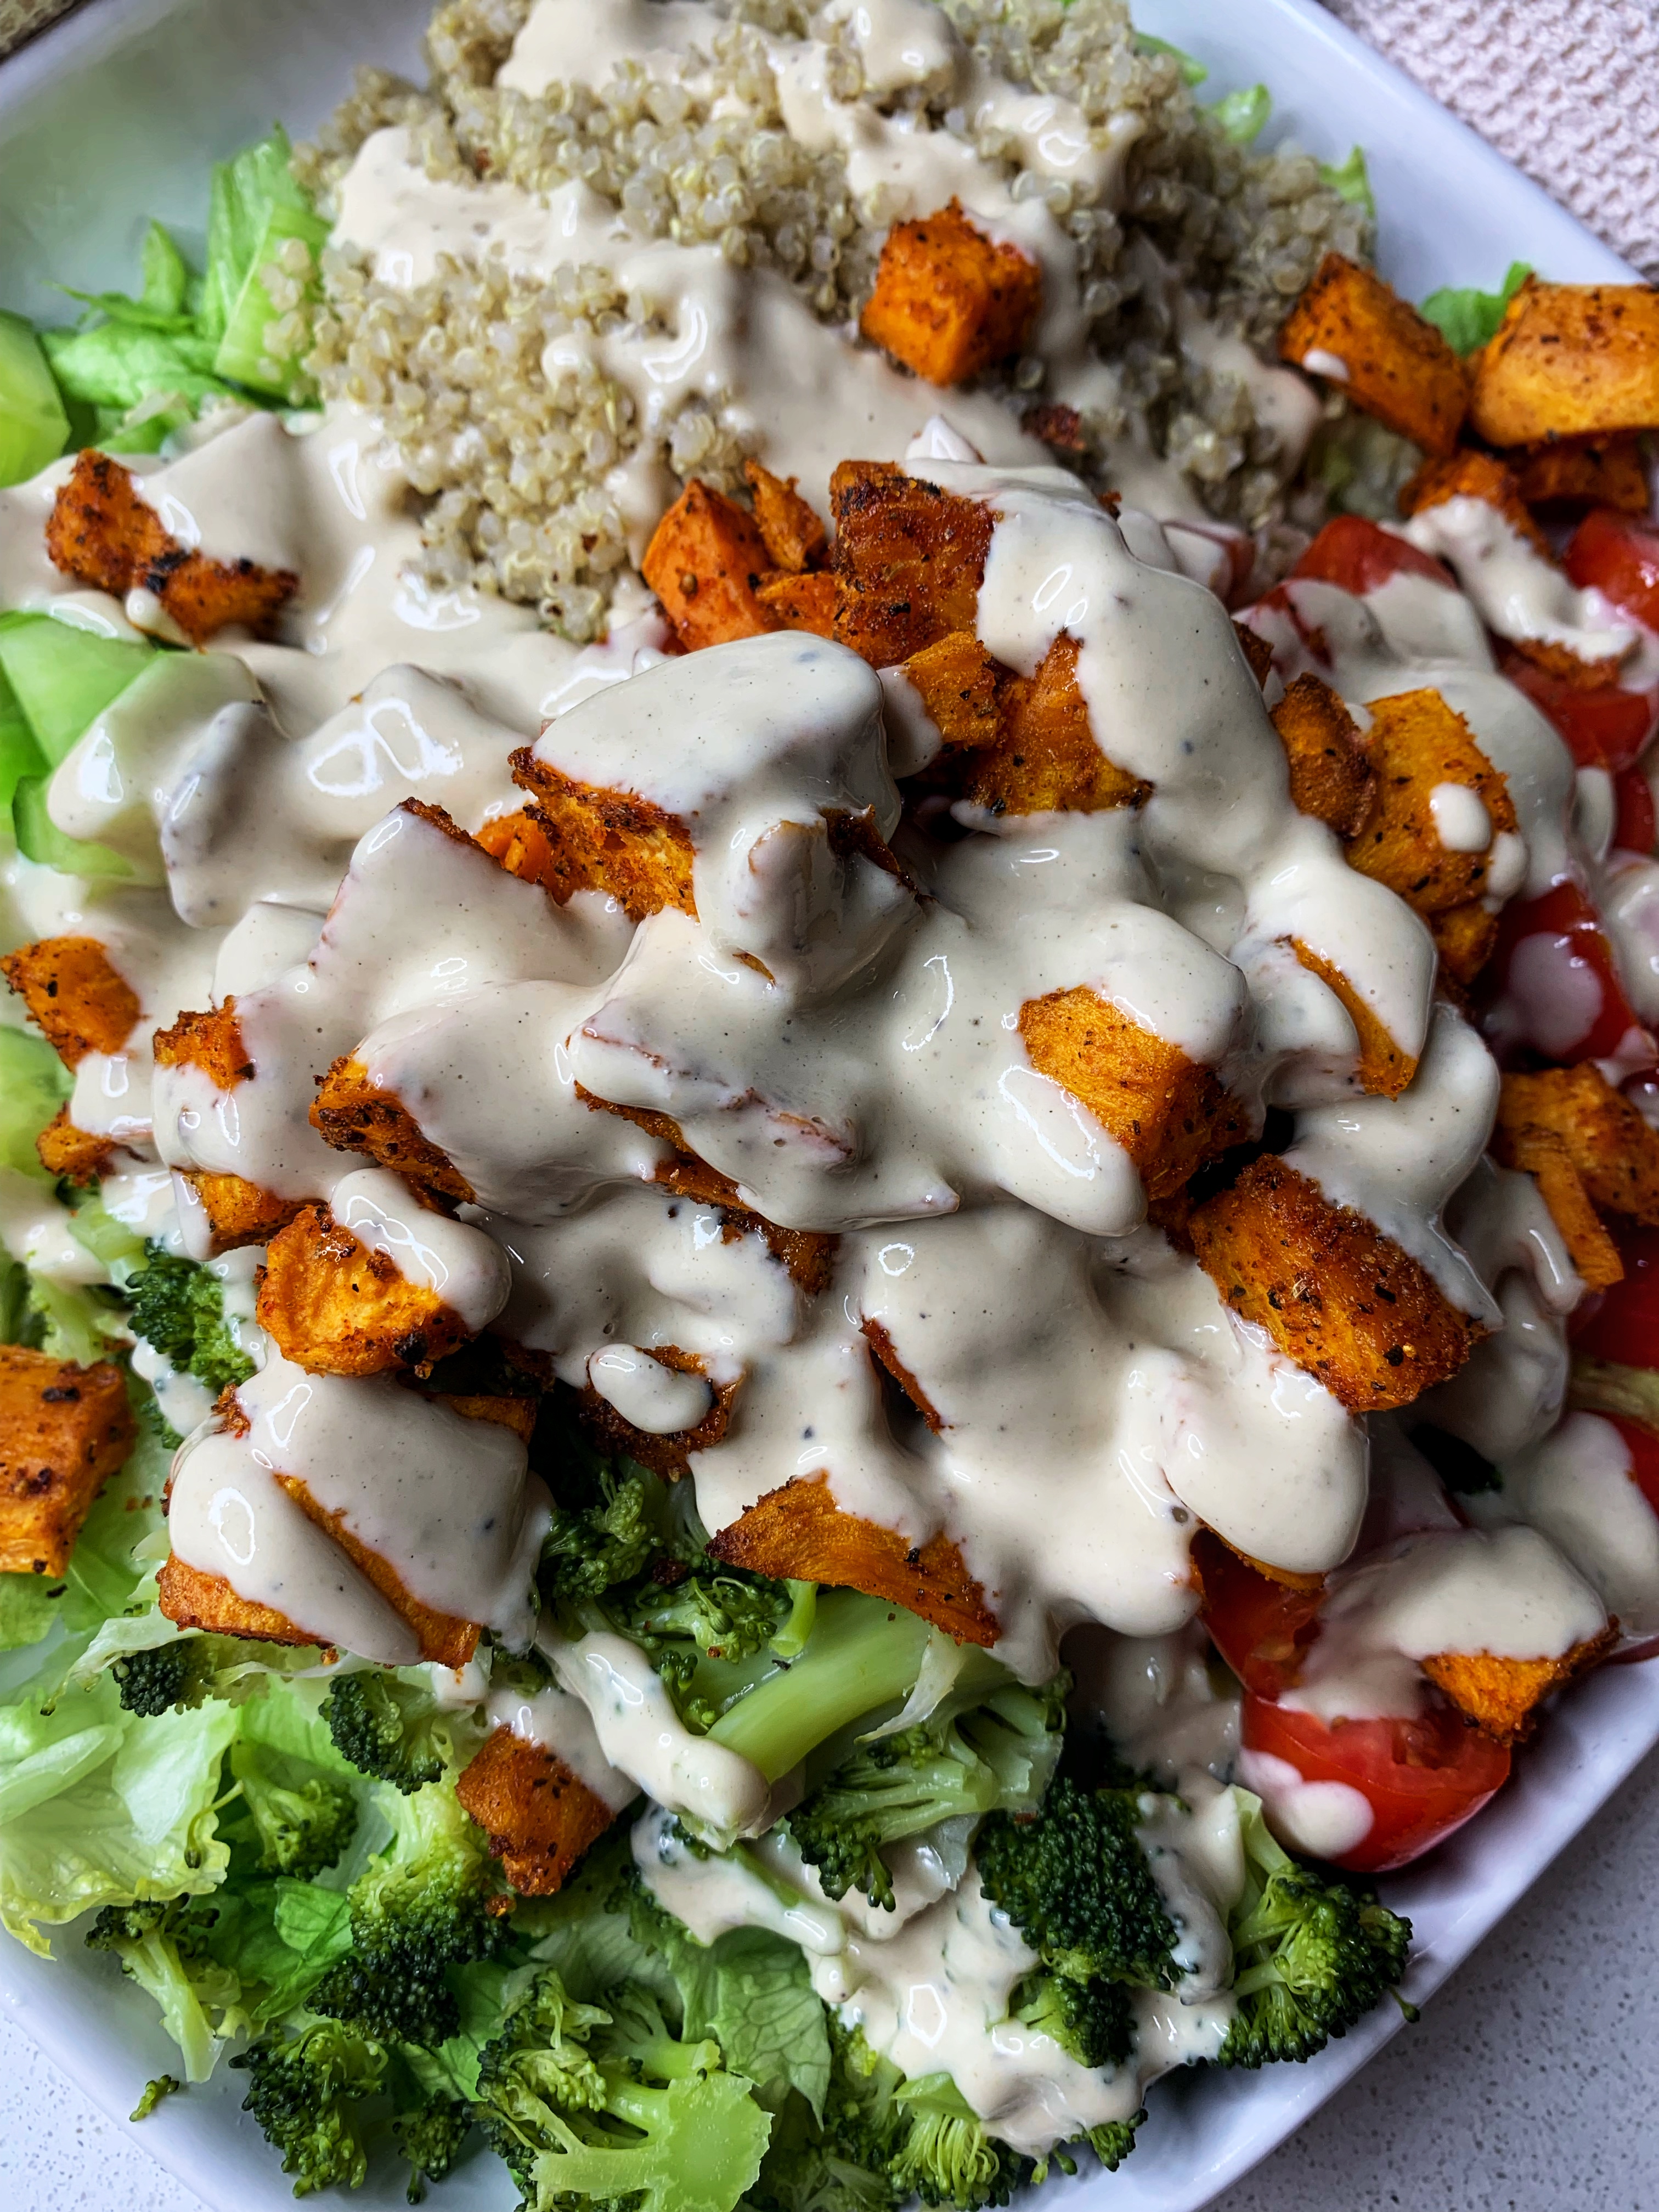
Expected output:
(1359, 556)
(1634, 832)
(1603, 729)
(1619, 557)
(1622, 1324)
(1556, 968)
(1261, 1627)
(1422, 1778)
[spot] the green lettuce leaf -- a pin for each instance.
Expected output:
(34, 427)
(1466, 318)
(1351, 180)
(767, 2017)
(1243, 114)
(34, 1083)
(1193, 72)
(98, 1809)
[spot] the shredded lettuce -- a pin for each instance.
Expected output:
(58, 678)
(1192, 71)
(34, 427)
(1351, 180)
(259, 212)
(1468, 318)
(1243, 114)
(33, 1084)
(98, 1807)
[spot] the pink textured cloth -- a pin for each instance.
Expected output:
(1567, 90)
(22, 19)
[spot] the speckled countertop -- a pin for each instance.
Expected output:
(1527, 2087)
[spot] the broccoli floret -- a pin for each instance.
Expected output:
(163, 1946)
(1112, 2140)
(164, 2085)
(997, 1756)
(395, 1731)
(1076, 1882)
(1310, 1956)
(178, 1308)
(595, 2108)
(862, 1655)
(304, 2091)
(419, 1907)
(297, 1829)
(175, 1674)
(430, 2137)
(944, 2154)
(596, 1547)
(1092, 2021)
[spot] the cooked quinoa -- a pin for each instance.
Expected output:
(514, 465)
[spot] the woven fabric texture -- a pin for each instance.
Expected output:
(1567, 90)
(22, 19)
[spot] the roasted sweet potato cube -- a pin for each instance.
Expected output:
(1385, 1067)
(1502, 1696)
(194, 1598)
(880, 1341)
(1591, 1152)
(518, 1414)
(1574, 474)
(948, 300)
(539, 1817)
(238, 1212)
(353, 1114)
(1046, 759)
(336, 1307)
(909, 559)
(1543, 1154)
(212, 1041)
(1469, 475)
(806, 602)
(1612, 1146)
(1256, 650)
(76, 1154)
(1465, 937)
(808, 1255)
(627, 847)
(1330, 773)
(670, 1454)
(1416, 744)
(64, 1430)
(791, 530)
(1569, 360)
(1349, 327)
(958, 682)
(1342, 1300)
(525, 848)
(703, 563)
(1169, 1114)
(76, 995)
(444, 1638)
(102, 533)
(800, 1532)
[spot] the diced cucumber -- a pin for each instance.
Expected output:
(63, 678)
(242, 355)
(34, 428)
(39, 838)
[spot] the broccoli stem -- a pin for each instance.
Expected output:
(862, 1653)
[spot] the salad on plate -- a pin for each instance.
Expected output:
(830, 1115)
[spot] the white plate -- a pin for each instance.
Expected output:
(145, 93)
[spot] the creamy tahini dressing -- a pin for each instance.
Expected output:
(444, 1500)
(842, 1039)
